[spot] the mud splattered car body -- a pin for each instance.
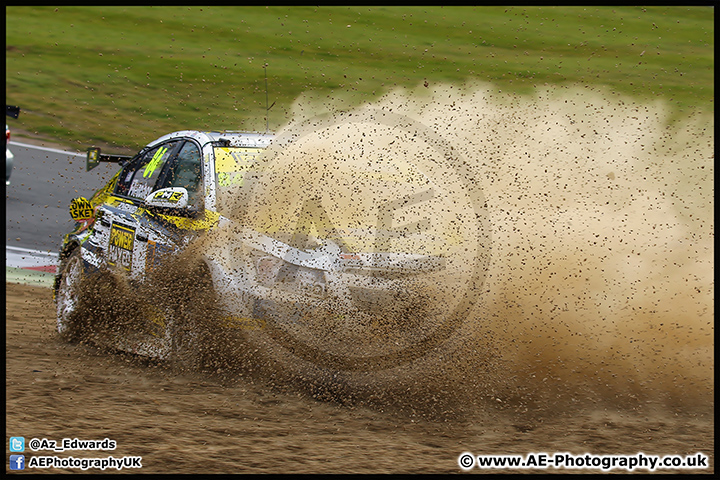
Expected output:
(13, 112)
(278, 284)
(158, 202)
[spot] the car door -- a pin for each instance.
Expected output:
(125, 217)
(168, 219)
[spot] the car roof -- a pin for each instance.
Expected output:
(233, 138)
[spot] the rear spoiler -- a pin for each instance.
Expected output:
(94, 157)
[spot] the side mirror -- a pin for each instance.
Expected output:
(94, 157)
(171, 197)
(12, 111)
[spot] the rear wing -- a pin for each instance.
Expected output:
(94, 157)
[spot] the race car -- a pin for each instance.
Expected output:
(14, 112)
(9, 157)
(165, 243)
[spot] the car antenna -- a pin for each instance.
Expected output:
(267, 109)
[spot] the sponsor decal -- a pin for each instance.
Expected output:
(168, 196)
(81, 209)
(122, 240)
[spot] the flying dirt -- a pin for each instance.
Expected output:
(573, 310)
(577, 224)
(565, 242)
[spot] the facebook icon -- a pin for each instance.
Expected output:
(17, 462)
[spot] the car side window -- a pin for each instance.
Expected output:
(186, 172)
(139, 177)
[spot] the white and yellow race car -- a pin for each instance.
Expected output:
(181, 239)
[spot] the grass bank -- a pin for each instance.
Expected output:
(122, 76)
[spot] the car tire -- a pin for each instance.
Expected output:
(68, 296)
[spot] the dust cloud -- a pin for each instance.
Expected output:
(599, 280)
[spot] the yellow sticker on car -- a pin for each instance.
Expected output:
(81, 209)
(231, 164)
(168, 196)
(122, 240)
(155, 162)
(234, 159)
(208, 220)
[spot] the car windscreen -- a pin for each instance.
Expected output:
(139, 177)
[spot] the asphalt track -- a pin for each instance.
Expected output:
(44, 181)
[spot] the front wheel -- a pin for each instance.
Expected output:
(68, 296)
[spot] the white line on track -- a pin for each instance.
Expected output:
(25, 258)
(28, 259)
(53, 150)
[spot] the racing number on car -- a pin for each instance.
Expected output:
(120, 250)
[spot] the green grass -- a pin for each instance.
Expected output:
(123, 76)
